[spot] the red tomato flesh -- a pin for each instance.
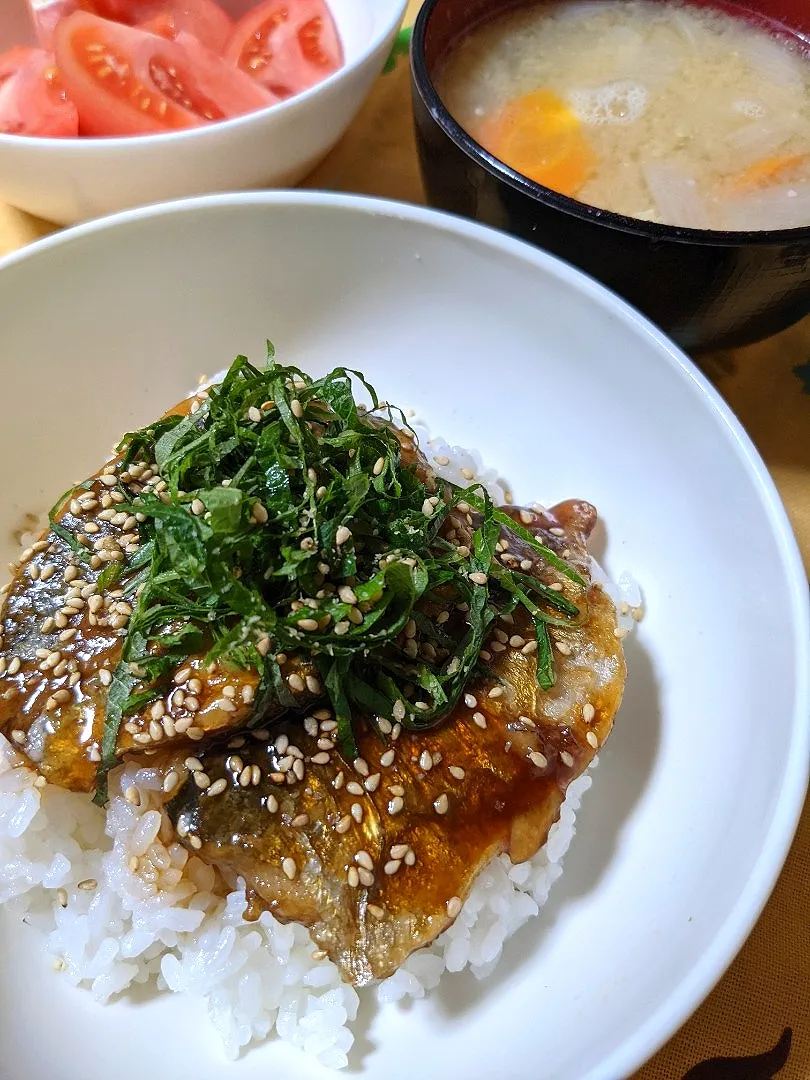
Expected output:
(287, 45)
(32, 97)
(203, 18)
(125, 81)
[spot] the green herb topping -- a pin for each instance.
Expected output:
(289, 519)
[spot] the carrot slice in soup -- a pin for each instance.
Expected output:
(539, 136)
(769, 170)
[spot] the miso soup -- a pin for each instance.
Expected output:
(683, 115)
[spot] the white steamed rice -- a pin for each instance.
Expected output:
(67, 866)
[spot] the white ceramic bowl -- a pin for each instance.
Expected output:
(70, 180)
(570, 393)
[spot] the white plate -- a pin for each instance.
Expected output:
(569, 392)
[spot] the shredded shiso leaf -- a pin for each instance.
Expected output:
(289, 523)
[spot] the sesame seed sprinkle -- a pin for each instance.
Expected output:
(289, 867)
(362, 858)
(453, 906)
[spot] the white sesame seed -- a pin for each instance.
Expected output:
(538, 759)
(195, 842)
(592, 739)
(441, 804)
(366, 877)
(353, 877)
(362, 858)
(342, 535)
(299, 821)
(396, 805)
(566, 758)
(379, 465)
(496, 692)
(478, 578)
(298, 769)
(320, 758)
(354, 788)
(356, 811)
(344, 824)
(392, 866)
(361, 766)
(271, 804)
(456, 771)
(387, 758)
(296, 683)
(371, 783)
(289, 867)
(529, 648)
(170, 781)
(479, 719)
(453, 906)
(588, 712)
(202, 780)
(563, 647)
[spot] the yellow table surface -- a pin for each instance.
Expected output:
(759, 1014)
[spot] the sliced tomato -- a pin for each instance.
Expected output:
(203, 18)
(32, 98)
(125, 81)
(288, 45)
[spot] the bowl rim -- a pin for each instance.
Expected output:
(652, 231)
(676, 1007)
(123, 143)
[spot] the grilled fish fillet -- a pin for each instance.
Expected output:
(61, 642)
(377, 855)
(374, 855)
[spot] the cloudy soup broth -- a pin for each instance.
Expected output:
(665, 112)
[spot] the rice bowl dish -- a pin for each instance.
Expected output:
(221, 286)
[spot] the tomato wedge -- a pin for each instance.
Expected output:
(203, 18)
(287, 45)
(32, 98)
(125, 81)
